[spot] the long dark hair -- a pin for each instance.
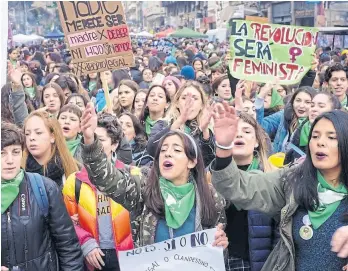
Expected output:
(146, 111)
(304, 178)
(152, 194)
(140, 137)
(290, 118)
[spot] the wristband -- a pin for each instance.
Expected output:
(224, 147)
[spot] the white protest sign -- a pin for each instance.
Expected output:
(186, 253)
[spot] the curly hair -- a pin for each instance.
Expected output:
(113, 128)
(334, 68)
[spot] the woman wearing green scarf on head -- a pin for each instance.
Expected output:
(273, 102)
(322, 102)
(310, 199)
(31, 239)
(156, 104)
(69, 119)
(177, 198)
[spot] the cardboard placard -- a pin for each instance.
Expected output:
(186, 253)
(97, 35)
(262, 52)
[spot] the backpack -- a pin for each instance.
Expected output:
(38, 187)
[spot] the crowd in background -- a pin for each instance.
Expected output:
(248, 158)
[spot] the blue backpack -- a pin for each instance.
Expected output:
(39, 190)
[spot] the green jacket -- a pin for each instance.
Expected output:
(126, 188)
(265, 192)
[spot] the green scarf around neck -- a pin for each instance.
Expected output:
(344, 102)
(92, 85)
(73, 144)
(329, 199)
(187, 130)
(304, 134)
(149, 123)
(178, 202)
(30, 91)
(10, 190)
(300, 120)
(276, 99)
(254, 164)
(14, 63)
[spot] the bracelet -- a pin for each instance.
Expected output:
(223, 147)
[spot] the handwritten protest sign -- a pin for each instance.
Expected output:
(186, 253)
(262, 52)
(97, 35)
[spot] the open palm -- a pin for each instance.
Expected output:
(225, 124)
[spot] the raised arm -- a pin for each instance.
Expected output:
(120, 185)
(17, 98)
(257, 191)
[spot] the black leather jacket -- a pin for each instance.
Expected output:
(33, 242)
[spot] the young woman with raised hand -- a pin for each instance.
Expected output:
(322, 102)
(252, 235)
(156, 104)
(32, 91)
(311, 198)
(69, 119)
(46, 151)
(191, 113)
(103, 226)
(283, 124)
(178, 170)
(127, 91)
(30, 240)
(135, 135)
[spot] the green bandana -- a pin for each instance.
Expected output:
(304, 134)
(254, 164)
(10, 190)
(216, 65)
(73, 144)
(344, 103)
(92, 85)
(149, 123)
(30, 91)
(276, 99)
(187, 130)
(300, 120)
(178, 202)
(329, 199)
(14, 63)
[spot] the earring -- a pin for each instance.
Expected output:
(256, 153)
(52, 141)
(113, 156)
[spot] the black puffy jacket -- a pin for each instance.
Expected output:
(34, 242)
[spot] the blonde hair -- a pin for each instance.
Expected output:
(59, 145)
(173, 113)
(261, 138)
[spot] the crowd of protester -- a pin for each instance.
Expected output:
(265, 163)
